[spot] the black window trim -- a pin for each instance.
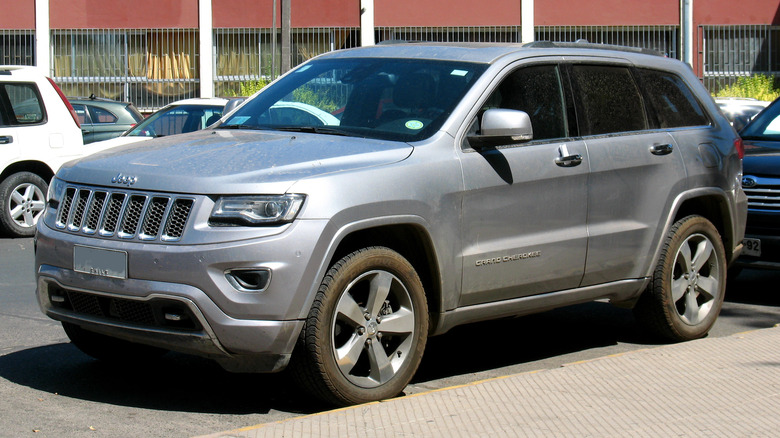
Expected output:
(8, 107)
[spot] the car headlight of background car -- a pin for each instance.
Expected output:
(256, 210)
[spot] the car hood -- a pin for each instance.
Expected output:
(761, 158)
(225, 161)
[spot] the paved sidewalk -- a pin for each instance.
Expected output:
(714, 387)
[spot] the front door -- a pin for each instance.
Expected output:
(525, 205)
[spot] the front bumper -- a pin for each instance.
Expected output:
(177, 297)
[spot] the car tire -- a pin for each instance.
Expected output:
(23, 196)
(366, 331)
(687, 288)
(109, 349)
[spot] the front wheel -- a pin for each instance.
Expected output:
(686, 291)
(366, 331)
(23, 195)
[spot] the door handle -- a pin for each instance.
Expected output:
(6, 139)
(661, 149)
(565, 159)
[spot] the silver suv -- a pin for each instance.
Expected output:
(409, 189)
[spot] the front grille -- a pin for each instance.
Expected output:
(763, 198)
(124, 215)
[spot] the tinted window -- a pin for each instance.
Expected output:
(81, 113)
(671, 100)
(537, 91)
(609, 100)
(99, 115)
(23, 105)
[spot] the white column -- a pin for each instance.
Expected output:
(527, 20)
(207, 66)
(42, 37)
(367, 23)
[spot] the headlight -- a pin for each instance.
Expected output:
(56, 192)
(256, 210)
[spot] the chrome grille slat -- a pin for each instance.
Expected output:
(763, 198)
(124, 215)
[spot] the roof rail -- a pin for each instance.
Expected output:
(584, 44)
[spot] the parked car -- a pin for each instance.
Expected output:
(740, 110)
(178, 117)
(38, 132)
(761, 182)
(461, 183)
(101, 119)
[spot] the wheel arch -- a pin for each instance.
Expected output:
(37, 167)
(714, 206)
(409, 239)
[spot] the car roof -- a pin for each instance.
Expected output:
(488, 52)
(201, 101)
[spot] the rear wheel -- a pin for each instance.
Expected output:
(23, 195)
(686, 291)
(366, 332)
(110, 349)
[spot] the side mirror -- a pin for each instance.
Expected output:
(502, 127)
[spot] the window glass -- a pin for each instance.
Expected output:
(392, 99)
(537, 91)
(24, 103)
(609, 100)
(673, 102)
(100, 115)
(177, 119)
(81, 113)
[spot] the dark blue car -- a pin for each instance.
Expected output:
(761, 183)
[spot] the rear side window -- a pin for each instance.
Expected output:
(99, 115)
(609, 100)
(671, 100)
(20, 104)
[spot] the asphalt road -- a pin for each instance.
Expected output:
(50, 389)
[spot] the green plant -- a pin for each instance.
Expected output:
(326, 98)
(759, 87)
(247, 88)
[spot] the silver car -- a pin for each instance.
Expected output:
(447, 184)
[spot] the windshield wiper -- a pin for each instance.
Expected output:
(239, 127)
(312, 129)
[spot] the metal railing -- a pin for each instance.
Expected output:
(731, 52)
(17, 47)
(152, 67)
(149, 67)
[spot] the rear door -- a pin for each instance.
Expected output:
(524, 207)
(636, 170)
(22, 120)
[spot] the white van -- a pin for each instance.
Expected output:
(39, 132)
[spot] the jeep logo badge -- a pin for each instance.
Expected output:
(124, 179)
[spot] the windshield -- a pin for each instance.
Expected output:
(177, 119)
(765, 126)
(393, 99)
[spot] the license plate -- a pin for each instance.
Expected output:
(751, 247)
(99, 261)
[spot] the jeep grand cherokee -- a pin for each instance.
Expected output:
(449, 184)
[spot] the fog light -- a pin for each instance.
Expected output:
(249, 280)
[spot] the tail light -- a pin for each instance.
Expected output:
(66, 102)
(740, 147)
